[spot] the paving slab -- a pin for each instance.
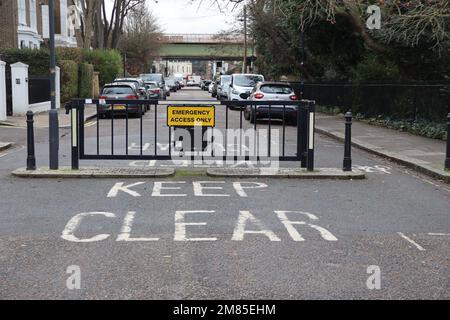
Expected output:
(91, 172)
(41, 118)
(421, 154)
(294, 173)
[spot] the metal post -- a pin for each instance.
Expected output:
(31, 159)
(311, 130)
(125, 65)
(447, 158)
(244, 66)
(75, 138)
(53, 114)
(348, 142)
(302, 133)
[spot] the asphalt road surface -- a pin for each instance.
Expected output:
(195, 237)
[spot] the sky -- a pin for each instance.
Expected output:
(191, 16)
(187, 16)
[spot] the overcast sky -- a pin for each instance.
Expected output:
(190, 16)
(187, 16)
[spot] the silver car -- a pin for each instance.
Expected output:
(272, 91)
(223, 86)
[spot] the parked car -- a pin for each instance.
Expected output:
(242, 83)
(271, 91)
(157, 77)
(170, 82)
(211, 87)
(191, 83)
(154, 91)
(167, 90)
(205, 84)
(119, 91)
(222, 88)
(139, 83)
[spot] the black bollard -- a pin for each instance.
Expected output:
(31, 158)
(348, 142)
(447, 157)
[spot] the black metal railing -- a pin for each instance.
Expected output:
(409, 101)
(111, 137)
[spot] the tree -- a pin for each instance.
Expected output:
(140, 39)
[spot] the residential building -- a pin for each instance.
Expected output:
(25, 23)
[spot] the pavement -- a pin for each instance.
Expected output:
(422, 154)
(41, 118)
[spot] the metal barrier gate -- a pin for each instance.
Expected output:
(152, 138)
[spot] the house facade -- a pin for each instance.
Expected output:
(25, 23)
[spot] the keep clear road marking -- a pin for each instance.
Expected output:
(199, 188)
(419, 247)
(247, 224)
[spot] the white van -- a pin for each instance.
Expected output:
(242, 83)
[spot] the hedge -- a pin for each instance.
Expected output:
(74, 54)
(107, 62)
(37, 60)
(69, 79)
(86, 72)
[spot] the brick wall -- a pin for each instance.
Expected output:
(8, 24)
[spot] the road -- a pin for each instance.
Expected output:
(195, 237)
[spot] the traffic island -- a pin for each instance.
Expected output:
(90, 172)
(293, 173)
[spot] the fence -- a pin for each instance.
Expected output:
(410, 101)
(125, 138)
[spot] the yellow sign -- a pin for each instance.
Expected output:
(190, 116)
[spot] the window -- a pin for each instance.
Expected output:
(276, 89)
(22, 7)
(22, 44)
(247, 80)
(33, 18)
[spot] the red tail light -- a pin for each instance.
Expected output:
(259, 96)
(132, 97)
(155, 90)
(103, 97)
(293, 97)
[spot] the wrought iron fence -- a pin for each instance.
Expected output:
(411, 101)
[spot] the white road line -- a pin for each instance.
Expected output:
(439, 234)
(411, 241)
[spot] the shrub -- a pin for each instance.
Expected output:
(86, 72)
(107, 62)
(69, 79)
(74, 54)
(37, 60)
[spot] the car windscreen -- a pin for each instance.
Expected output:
(133, 82)
(225, 80)
(247, 80)
(152, 77)
(170, 82)
(117, 90)
(151, 85)
(276, 89)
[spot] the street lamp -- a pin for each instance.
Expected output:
(53, 114)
